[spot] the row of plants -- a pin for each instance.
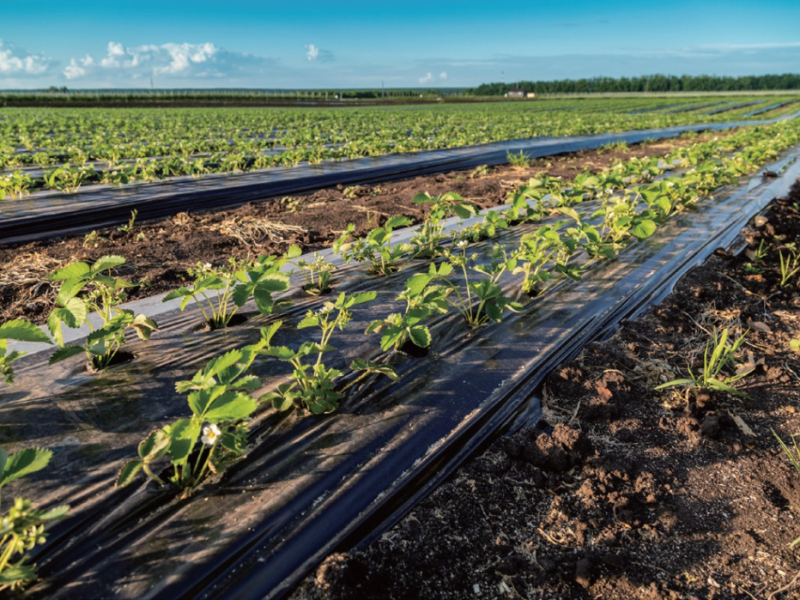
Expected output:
(148, 146)
(225, 394)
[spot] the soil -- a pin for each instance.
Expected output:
(622, 491)
(160, 252)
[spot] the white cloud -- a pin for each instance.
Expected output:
(430, 77)
(312, 52)
(78, 68)
(316, 54)
(170, 61)
(15, 61)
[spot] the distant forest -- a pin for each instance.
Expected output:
(647, 83)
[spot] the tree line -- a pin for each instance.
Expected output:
(647, 83)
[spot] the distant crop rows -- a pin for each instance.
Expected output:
(64, 149)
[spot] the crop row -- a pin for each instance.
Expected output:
(223, 396)
(145, 146)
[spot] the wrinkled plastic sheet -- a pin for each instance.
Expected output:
(45, 215)
(312, 483)
(696, 107)
(661, 107)
(732, 107)
(759, 111)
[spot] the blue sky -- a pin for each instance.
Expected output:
(312, 44)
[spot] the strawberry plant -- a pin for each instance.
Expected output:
(21, 331)
(317, 272)
(375, 249)
(219, 397)
(92, 288)
(482, 300)
(22, 528)
(423, 300)
(233, 285)
(313, 384)
(428, 239)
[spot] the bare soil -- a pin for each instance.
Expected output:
(623, 492)
(160, 252)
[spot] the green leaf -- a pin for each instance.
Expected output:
(16, 574)
(230, 406)
(293, 252)
(64, 353)
(371, 367)
(242, 292)
(416, 283)
(397, 221)
(25, 462)
(464, 210)
(644, 229)
(420, 335)
(68, 290)
(179, 293)
(281, 353)
(128, 473)
(104, 263)
(422, 199)
(221, 363)
(144, 326)
(570, 212)
(23, 331)
(184, 434)
(153, 446)
(310, 321)
(361, 298)
(281, 403)
(73, 314)
(494, 311)
(674, 383)
(77, 270)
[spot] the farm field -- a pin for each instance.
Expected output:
(63, 150)
(211, 403)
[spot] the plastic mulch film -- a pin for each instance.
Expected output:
(46, 214)
(310, 483)
(759, 111)
(732, 107)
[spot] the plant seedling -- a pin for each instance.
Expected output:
(427, 242)
(233, 285)
(375, 249)
(21, 331)
(719, 353)
(103, 294)
(790, 264)
(313, 384)
(23, 527)
(318, 273)
(521, 160)
(486, 292)
(793, 455)
(219, 396)
(423, 300)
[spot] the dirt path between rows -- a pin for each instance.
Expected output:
(160, 252)
(623, 492)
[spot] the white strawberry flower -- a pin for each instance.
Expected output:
(210, 435)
